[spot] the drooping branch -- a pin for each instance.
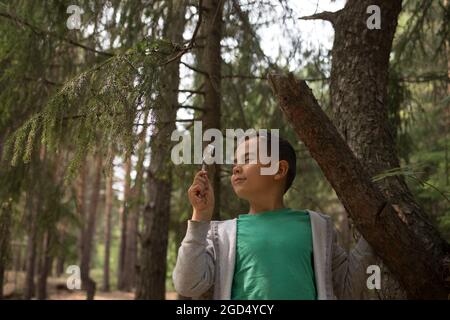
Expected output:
(422, 272)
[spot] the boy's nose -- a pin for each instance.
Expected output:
(237, 169)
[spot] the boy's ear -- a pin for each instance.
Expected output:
(283, 167)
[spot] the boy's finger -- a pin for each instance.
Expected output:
(200, 173)
(198, 189)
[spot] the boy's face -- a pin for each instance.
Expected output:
(247, 181)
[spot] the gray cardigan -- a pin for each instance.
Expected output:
(206, 258)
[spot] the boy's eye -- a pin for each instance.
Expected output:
(246, 160)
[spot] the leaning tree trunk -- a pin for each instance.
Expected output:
(153, 260)
(405, 240)
(210, 62)
(359, 81)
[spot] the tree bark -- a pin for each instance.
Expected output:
(60, 265)
(359, 82)
(211, 61)
(88, 284)
(153, 260)
(31, 249)
(131, 252)
(5, 236)
(45, 267)
(108, 215)
(124, 225)
(409, 245)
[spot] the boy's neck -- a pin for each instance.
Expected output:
(256, 208)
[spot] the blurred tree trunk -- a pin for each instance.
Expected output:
(31, 248)
(108, 215)
(88, 238)
(153, 260)
(131, 252)
(124, 223)
(210, 61)
(45, 262)
(446, 118)
(60, 259)
(5, 235)
(60, 266)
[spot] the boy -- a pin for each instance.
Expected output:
(273, 252)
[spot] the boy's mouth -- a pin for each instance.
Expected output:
(237, 180)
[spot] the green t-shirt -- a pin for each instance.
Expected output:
(274, 256)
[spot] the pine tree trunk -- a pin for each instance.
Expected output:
(60, 265)
(45, 268)
(131, 252)
(409, 245)
(153, 260)
(446, 118)
(108, 216)
(29, 290)
(5, 235)
(359, 81)
(60, 259)
(210, 62)
(124, 226)
(80, 190)
(88, 284)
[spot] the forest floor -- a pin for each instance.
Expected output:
(57, 290)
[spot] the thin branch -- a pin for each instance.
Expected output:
(169, 122)
(194, 68)
(191, 43)
(190, 91)
(264, 77)
(52, 34)
(44, 80)
(325, 15)
(191, 107)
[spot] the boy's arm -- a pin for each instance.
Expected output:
(349, 270)
(194, 270)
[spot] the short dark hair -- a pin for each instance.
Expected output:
(286, 152)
